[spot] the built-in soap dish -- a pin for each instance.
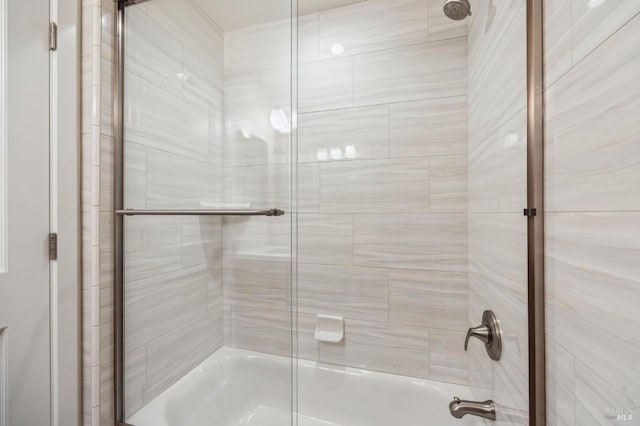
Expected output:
(329, 329)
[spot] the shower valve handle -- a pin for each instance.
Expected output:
(488, 333)
(481, 332)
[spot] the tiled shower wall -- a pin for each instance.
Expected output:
(97, 211)
(497, 197)
(182, 253)
(382, 191)
(173, 159)
(593, 211)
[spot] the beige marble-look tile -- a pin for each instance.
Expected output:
(498, 262)
(157, 119)
(250, 101)
(253, 283)
(557, 39)
(391, 348)
(373, 25)
(269, 186)
(498, 80)
(559, 364)
(594, 21)
(592, 142)
(156, 305)
(267, 331)
(178, 351)
(598, 402)
(448, 184)
(375, 186)
(175, 182)
(135, 176)
(106, 173)
(325, 239)
(429, 127)
(143, 233)
(152, 53)
(498, 169)
(261, 47)
(135, 380)
(440, 26)
(448, 361)
(202, 242)
(592, 279)
(347, 291)
(423, 71)
(358, 133)
(428, 298)
(325, 85)
(258, 238)
(433, 242)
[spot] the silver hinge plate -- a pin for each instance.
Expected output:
(53, 246)
(53, 36)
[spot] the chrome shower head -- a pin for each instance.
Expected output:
(457, 9)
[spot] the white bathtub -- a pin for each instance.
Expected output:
(236, 387)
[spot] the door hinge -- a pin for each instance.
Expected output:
(530, 212)
(53, 246)
(53, 36)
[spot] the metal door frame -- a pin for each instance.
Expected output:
(534, 212)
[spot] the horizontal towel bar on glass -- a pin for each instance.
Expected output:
(217, 212)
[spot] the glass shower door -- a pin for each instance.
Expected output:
(206, 214)
(412, 133)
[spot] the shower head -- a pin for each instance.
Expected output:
(457, 9)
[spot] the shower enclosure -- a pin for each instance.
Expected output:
(316, 200)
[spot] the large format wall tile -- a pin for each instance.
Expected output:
(256, 283)
(432, 242)
(359, 133)
(448, 184)
(153, 53)
(428, 298)
(597, 402)
(557, 39)
(325, 239)
(347, 291)
(560, 384)
(259, 237)
(365, 27)
(156, 119)
(155, 305)
(592, 136)
(498, 169)
(429, 127)
(175, 182)
(448, 361)
(424, 71)
(497, 82)
(261, 47)
(440, 26)
(592, 279)
(177, 352)
(594, 21)
(317, 92)
(375, 186)
(399, 349)
(270, 186)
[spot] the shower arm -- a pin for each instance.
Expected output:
(216, 212)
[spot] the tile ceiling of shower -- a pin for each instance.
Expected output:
(233, 15)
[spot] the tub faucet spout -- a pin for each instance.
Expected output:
(459, 408)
